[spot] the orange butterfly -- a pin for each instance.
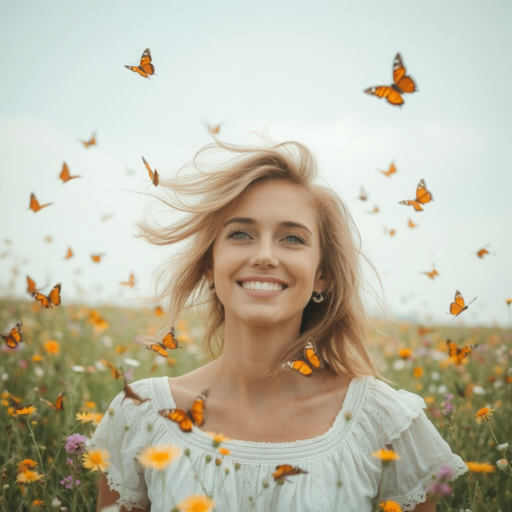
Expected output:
(158, 348)
(423, 196)
(65, 175)
(431, 274)
(390, 171)
(115, 372)
(153, 176)
(145, 68)
(31, 285)
(402, 83)
(186, 419)
(411, 224)
(130, 282)
(312, 361)
(58, 405)
(458, 306)
(89, 143)
(458, 354)
(69, 254)
(129, 393)
(159, 311)
(50, 300)
(376, 209)
(170, 341)
(482, 252)
(285, 470)
(363, 196)
(34, 204)
(96, 257)
(14, 338)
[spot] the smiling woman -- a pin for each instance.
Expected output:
(274, 259)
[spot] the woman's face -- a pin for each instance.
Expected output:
(266, 257)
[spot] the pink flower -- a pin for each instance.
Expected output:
(76, 444)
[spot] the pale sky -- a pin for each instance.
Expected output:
(297, 69)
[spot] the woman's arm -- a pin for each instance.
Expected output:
(427, 506)
(108, 497)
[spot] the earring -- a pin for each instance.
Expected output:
(317, 296)
(212, 286)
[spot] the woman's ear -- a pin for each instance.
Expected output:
(321, 280)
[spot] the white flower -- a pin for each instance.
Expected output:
(478, 390)
(78, 368)
(503, 446)
(435, 376)
(56, 503)
(502, 464)
(399, 364)
(39, 371)
(442, 389)
(132, 362)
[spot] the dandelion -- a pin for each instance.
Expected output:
(52, 347)
(196, 503)
(28, 477)
(159, 457)
(390, 506)
(25, 465)
(25, 410)
(483, 414)
(502, 464)
(96, 460)
(75, 444)
(480, 467)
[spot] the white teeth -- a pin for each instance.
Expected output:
(257, 285)
(263, 286)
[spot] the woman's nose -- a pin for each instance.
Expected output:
(265, 255)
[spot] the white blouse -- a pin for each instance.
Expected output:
(373, 416)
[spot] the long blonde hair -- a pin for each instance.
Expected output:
(204, 192)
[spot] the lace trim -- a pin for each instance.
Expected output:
(126, 499)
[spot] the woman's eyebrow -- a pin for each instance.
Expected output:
(287, 224)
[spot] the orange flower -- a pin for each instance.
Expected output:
(508, 301)
(224, 451)
(417, 372)
(38, 503)
(196, 503)
(52, 347)
(96, 460)
(37, 358)
(480, 467)
(218, 438)
(483, 414)
(25, 410)
(386, 455)
(390, 506)
(27, 477)
(25, 465)
(405, 353)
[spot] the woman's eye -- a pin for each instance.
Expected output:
(240, 235)
(293, 239)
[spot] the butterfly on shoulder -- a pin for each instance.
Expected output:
(145, 69)
(402, 83)
(91, 142)
(14, 338)
(458, 305)
(423, 196)
(458, 354)
(65, 175)
(187, 418)
(153, 176)
(58, 405)
(134, 397)
(34, 204)
(285, 470)
(50, 300)
(311, 361)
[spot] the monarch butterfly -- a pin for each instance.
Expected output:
(65, 175)
(96, 257)
(115, 372)
(153, 176)
(130, 282)
(411, 224)
(482, 252)
(145, 68)
(69, 254)
(158, 348)
(129, 393)
(170, 341)
(31, 285)
(186, 419)
(423, 196)
(34, 204)
(458, 306)
(458, 354)
(285, 470)
(432, 274)
(14, 338)
(402, 83)
(390, 171)
(50, 300)
(58, 405)
(91, 142)
(312, 361)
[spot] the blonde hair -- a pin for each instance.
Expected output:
(203, 191)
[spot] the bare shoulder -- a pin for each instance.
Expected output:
(185, 388)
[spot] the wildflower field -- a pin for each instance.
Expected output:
(46, 463)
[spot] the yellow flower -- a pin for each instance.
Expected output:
(25, 410)
(96, 460)
(86, 417)
(508, 301)
(386, 455)
(5, 403)
(483, 414)
(5, 394)
(417, 372)
(38, 503)
(390, 506)
(27, 477)
(218, 438)
(480, 467)
(90, 405)
(52, 347)
(37, 358)
(196, 503)
(430, 399)
(159, 457)
(224, 451)
(405, 353)
(25, 465)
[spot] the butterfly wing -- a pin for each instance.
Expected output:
(170, 341)
(300, 366)
(96, 258)
(385, 91)
(54, 296)
(458, 306)
(69, 254)
(31, 285)
(34, 204)
(482, 252)
(14, 338)
(196, 411)
(409, 202)
(423, 196)
(180, 417)
(145, 63)
(43, 299)
(312, 356)
(129, 393)
(159, 349)
(285, 470)
(64, 174)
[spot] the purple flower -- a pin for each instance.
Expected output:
(77, 482)
(70, 462)
(445, 473)
(76, 444)
(448, 396)
(439, 490)
(68, 482)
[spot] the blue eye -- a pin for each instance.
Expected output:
(240, 235)
(294, 239)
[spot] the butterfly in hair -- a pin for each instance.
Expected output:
(458, 305)
(50, 300)
(285, 470)
(423, 196)
(402, 83)
(145, 68)
(458, 354)
(58, 405)
(14, 338)
(311, 361)
(187, 418)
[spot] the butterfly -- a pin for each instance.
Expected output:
(186, 419)
(130, 282)
(363, 196)
(312, 361)
(153, 176)
(58, 405)
(64, 174)
(431, 274)
(285, 470)
(423, 196)
(158, 348)
(170, 341)
(390, 171)
(69, 254)
(50, 300)
(31, 285)
(402, 83)
(14, 338)
(145, 68)
(34, 204)
(458, 354)
(159, 311)
(411, 224)
(116, 373)
(482, 252)
(458, 306)
(96, 257)
(376, 209)
(89, 143)
(134, 397)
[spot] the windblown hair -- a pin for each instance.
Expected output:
(204, 192)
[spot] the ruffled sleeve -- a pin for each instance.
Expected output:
(119, 434)
(398, 422)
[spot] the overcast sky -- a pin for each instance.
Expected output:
(297, 69)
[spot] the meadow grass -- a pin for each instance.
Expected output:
(80, 336)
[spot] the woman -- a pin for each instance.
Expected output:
(275, 258)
